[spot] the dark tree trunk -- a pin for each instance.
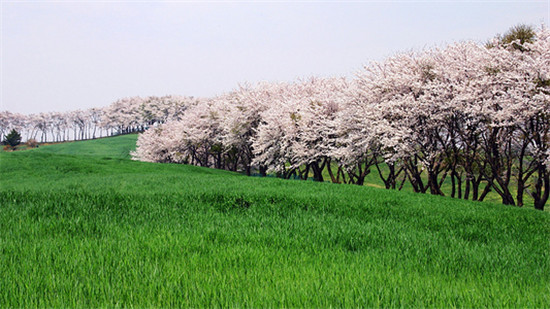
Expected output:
(304, 174)
(453, 185)
(433, 183)
(334, 179)
(318, 170)
(542, 188)
(263, 170)
(390, 182)
(484, 193)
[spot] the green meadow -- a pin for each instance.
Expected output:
(82, 225)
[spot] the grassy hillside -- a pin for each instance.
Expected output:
(112, 147)
(98, 230)
(120, 147)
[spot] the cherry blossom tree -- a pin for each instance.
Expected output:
(240, 120)
(6, 119)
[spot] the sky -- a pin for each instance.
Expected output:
(68, 55)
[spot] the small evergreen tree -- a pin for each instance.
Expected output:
(13, 138)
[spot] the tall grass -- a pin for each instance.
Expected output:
(99, 231)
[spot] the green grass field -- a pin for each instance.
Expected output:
(113, 147)
(81, 225)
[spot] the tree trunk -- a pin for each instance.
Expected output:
(542, 188)
(433, 183)
(263, 170)
(317, 171)
(331, 174)
(453, 185)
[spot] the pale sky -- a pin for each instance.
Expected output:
(68, 55)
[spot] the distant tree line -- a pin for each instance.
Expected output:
(134, 114)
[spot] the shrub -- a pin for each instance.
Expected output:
(32, 143)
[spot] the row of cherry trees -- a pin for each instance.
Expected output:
(472, 115)
(123, 116)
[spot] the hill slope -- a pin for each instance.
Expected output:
(112, 147)
(98, 230)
